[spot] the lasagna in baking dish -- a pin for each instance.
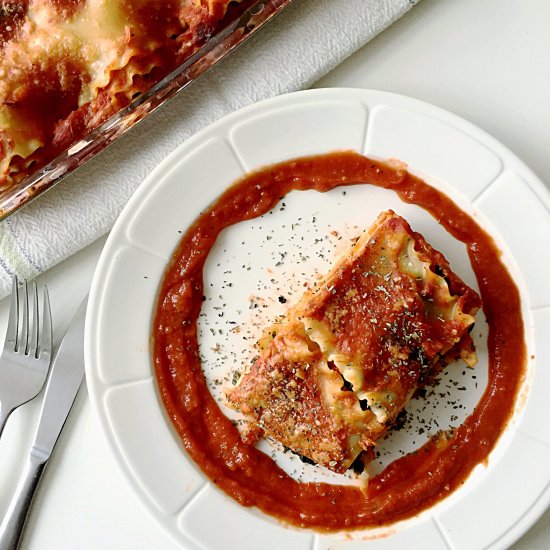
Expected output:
(332, 376)
(66, 66)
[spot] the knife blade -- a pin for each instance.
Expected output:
(63, 383)
(65, 379)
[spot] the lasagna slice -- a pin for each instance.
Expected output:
(332, 376)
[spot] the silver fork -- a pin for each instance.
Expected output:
(27, 352)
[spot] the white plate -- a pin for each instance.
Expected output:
(499, 501)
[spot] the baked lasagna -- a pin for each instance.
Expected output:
(66, 66)
(333, 375)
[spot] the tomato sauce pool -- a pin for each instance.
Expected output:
(406, 486)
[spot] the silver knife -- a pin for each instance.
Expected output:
(65, 379)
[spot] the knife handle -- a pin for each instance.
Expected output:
(14, 520)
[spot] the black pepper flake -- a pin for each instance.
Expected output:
(306, 460)
(282, 300)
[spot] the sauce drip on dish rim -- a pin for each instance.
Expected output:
(408, 485)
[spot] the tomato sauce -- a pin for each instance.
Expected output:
(408, 485)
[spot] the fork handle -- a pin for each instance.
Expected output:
(14, 520)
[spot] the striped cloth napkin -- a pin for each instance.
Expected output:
(302, 44)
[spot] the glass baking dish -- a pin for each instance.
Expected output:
(216, 48)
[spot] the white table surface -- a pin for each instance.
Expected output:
(485, 60)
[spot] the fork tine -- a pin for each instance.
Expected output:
(24, 335)
(13, 319)
(45, 343)
(33, 342)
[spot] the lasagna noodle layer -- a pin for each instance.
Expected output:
(332, 377)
